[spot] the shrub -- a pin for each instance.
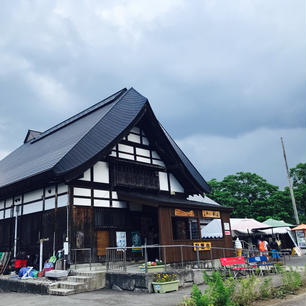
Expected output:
(266, 289)
(291, 281)
(246, 291)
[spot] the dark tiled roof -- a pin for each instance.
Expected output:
(43, 153)
(165, 199)
(80, 139)
(193, 171)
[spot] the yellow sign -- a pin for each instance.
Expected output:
(184, 213)
(203, 246)
(210, 214)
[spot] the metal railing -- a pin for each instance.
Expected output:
(82, 259)
(178, 256)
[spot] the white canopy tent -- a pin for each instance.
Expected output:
(245, 226)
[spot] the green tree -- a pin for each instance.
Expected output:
(298, 176)
(252, 196)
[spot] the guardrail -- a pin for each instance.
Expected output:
(118, 258)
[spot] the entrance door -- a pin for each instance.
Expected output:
(102, 242)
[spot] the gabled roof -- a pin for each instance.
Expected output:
(78, 141)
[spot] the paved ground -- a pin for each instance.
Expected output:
(296, 261)
(111, 298)
(102, 297)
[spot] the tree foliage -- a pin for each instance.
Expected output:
(252, 196)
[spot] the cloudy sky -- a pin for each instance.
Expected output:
(226, 78)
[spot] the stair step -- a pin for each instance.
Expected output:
(79, 279)
(70, 285)
(91, 274)
(61, 291)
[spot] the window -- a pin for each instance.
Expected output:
(211, 228)
(128, 175)
(185, 228)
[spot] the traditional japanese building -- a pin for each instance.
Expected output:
(109, 171)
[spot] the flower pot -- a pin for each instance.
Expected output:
(165, 287)
(154, 269)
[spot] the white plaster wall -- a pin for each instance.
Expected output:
(101, 193)
(163, 181)
(81, 202)
(85, 192)
(101, 172)
(125, 148)
(175, 185)
(50, 203)
(62, 200)
(101, 203)
(61, 188)
(9, 202)
(144, 152)
(33, 196)
(32, 208)
(86, 176)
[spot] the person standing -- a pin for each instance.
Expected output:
(263, 247)
(275, 249)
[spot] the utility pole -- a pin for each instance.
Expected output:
(290, 186)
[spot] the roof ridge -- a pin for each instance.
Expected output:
(119, 98)
(81, 114)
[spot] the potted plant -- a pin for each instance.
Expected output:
(164, 282)
(154, 266)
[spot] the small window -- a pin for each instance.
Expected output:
(211, 228)
(185, 228)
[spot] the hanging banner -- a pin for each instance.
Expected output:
(183, 213)
(210, 214)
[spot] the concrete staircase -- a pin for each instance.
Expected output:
(79, 281)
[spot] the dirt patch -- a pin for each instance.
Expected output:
(277, 301)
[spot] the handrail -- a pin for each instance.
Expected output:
(82, 249)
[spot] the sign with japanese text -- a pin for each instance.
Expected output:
(183, 213)
(210, 214)
(203, 246)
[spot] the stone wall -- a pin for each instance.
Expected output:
(16, 285)
(141, 282)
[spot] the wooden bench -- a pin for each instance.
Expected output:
(237, 265)
(262, 261)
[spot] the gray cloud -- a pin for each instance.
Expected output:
(211, 69)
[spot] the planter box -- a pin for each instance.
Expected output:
(165, 287)
(154, 269)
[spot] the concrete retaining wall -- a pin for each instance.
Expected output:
(15, 285)
(140, 282)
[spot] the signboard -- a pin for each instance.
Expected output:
(227, 233)
(136, 242)
(183, 213)
(203, 246)
(66, 248)
(226, 226)
(210, 214)
(121, 239)
(300, 237)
